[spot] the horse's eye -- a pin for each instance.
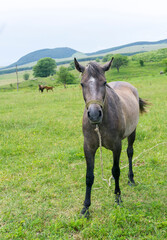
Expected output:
(105, 83)
(82, 85)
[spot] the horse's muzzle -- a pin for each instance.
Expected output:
(95, 113)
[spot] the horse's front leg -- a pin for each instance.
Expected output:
(89, 156)
(116, 171)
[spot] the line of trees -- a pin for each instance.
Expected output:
(47, 67)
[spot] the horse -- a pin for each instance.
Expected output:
(41, 88)
(48, 88)
(113, 107)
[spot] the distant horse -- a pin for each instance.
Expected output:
(41, 88)
(48, 88)
(114, 108)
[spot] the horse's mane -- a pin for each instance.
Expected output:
(93, 69)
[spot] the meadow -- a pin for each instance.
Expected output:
(11, 78)
(42, 165)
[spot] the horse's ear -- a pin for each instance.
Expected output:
(107, 66)
(78, 66)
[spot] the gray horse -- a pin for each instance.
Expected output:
(114, 107)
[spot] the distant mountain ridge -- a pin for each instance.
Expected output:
(65, 53)
(127, 45)
(36, 55)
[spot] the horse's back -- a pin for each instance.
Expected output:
(123, 87)
(129, 100)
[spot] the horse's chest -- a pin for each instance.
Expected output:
(108, 139)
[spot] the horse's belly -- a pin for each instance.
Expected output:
(130, 128)
(131, 117)
(130, 110)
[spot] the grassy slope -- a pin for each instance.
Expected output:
(11, 78)
(135, 49)
(42, 167)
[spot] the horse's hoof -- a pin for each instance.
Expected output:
(131, 183)
(85, 213)
(118, 199)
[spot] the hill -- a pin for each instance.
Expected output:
(36, 55)
(135, 44)
(65, 54)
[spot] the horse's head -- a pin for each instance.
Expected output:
(94, 88)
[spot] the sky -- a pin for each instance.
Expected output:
(86, 26)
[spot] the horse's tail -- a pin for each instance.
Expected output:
(142, 105)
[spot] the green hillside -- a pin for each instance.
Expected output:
(152, 56)
(135, 46)
(53, 53)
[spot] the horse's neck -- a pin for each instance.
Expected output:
(111, 94)
(112, 101)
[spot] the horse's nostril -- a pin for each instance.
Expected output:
(94, 114)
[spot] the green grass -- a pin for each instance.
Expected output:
(42, 166)
(152, 56)
(10, 78)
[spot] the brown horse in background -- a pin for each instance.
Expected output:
(48, 88)
(114, 108)
(41, 88)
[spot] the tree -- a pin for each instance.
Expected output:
(65, 77)
(44, 67)
(26, 76)
(97, 60)
(141, 63)
(165, 63)
(107, 57)
(72, 66)
(119, 61)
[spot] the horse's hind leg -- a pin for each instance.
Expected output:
(131, 140)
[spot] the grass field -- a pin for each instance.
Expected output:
(42, 166)
(10, 78)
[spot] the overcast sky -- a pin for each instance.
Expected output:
(86, 26)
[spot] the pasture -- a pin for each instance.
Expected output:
(42, 166)
(10, 78)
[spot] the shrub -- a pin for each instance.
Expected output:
(26, 76)
(141, 63)
(65, 77)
